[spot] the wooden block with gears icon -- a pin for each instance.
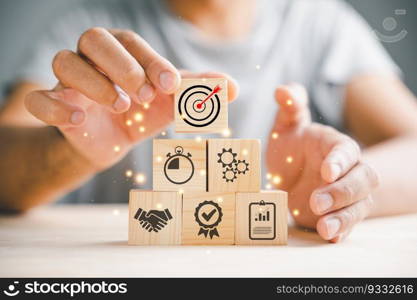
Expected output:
(261, 218)
(154, 218)
(234, 165)
(179, 165)
(201, 105)
(208, 218)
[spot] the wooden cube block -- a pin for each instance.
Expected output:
(208, 218)
(261, 218)
(234, 165)
(201, 105)
(154, 218)
(179, 165)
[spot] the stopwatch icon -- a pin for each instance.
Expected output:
(179, 168)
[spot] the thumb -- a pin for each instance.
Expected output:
(293, 107)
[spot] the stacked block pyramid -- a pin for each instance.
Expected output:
(206, 191)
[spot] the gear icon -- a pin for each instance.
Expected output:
(227, 158)
(229, 174)
(241, 167)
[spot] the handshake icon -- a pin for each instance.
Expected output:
(154, 220)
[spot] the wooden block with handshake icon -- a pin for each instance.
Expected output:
(206, 191)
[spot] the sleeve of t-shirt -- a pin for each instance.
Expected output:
(63, 33)
(348, 48)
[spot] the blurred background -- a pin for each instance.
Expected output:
(21, 21)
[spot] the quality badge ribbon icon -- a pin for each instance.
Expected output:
(208, 215)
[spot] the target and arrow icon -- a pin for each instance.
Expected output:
(199, 105)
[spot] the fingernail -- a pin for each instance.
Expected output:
(335, 171)
(146, 93)
(323, 201)
(77, 117)
(122, 103)
(167, 80)
(332, 227)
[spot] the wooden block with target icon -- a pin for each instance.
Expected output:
(154, 218)
(208, 218)
(261, 218)
(234, 165)
(179, 165)
(201, 105)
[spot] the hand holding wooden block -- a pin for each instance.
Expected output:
(201, 105)
(208, 218)
(261, 218)
(154, 218)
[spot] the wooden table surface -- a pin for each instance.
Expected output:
(91, 241)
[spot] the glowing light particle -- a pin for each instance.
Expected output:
(268, 186)
(140, 178)
(142, 129)
(85, 134)
(146, 106)
(159, 158)
(275, 135)
(129, 122)
(203, 172)
(226, 132)
(276, 179)
(159, 206)
(198, 139)
(163, 133)
(116, 212)
(219, 200)
(289, 159)
(181, 191)
(138, 117)
(289, 102)
(245, 152)
(296, 212)
(116, 148)
(129, 173)
(268, 176)
(257, 67)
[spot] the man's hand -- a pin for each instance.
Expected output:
(98, 104)
(329, 186)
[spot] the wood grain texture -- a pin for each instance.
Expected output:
(191, 165)
(194, 91)
(239, 169)
(149, 200)
(88, 240)
(249, 211)
(208, 215)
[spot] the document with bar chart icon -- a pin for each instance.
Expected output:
(262, 220)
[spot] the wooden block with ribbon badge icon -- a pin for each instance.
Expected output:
(208, 218)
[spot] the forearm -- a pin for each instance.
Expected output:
(37, 165)
(396, 162)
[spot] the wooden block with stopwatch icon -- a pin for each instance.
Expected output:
(208, 218)
(234, 165)
(201, 105)
(179, 165)
(154, 218)
(261, 218)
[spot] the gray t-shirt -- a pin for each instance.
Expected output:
(321, 44)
